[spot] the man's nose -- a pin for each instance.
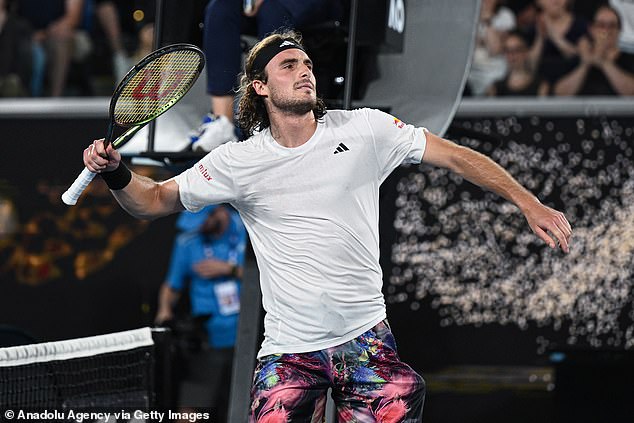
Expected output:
(305, 70)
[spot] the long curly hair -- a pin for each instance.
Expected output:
(252, 114)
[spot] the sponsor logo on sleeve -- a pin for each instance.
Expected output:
(399, 124)
(204, 171)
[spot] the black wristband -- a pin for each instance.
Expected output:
(118, 178)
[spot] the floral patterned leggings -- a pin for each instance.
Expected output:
(369, 383)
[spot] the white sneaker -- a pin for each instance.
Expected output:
(120, 66)
(213, 132)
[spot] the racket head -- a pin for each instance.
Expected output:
(155, 84)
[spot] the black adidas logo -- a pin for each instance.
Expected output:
(341, 148)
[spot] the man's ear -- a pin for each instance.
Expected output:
(260, 87)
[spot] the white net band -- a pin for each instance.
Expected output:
(75, 348)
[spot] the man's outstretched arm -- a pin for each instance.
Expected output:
(482, 171)
(142, 197)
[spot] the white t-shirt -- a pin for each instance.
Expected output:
(487, 68)
(625, 8)
(312, 216)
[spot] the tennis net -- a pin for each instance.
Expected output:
(113, 371)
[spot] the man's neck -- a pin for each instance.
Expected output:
(292, 130)
(559, 16)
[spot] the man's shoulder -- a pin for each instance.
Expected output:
(237, 151)
(254, 143)
(337, 117)
(348, 113)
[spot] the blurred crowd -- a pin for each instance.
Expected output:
(70, 47)
(523, 47)
(553, 47)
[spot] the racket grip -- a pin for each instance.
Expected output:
(72, 194)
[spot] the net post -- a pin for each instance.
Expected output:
(163, 391)
(244, 357)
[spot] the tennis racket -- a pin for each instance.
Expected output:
(147, 91)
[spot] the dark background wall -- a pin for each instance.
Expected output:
(504, 328)
(463, 262)
(72, 271)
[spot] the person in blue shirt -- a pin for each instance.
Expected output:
(208, 259)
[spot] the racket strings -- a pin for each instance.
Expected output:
(156, 87)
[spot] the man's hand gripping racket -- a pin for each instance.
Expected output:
(148, 90)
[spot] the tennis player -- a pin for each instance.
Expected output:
(306, 184)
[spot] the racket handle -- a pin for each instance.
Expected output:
(72, 194)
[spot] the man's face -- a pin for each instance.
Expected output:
(516, 52)
(605, 27)
(290, 85)
(216, 223)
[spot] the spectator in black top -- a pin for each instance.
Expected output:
(555, 40)
(107, 14)
(602, 69)
(55, 23)
(521, 78)
(525, 15)
(15, 53)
